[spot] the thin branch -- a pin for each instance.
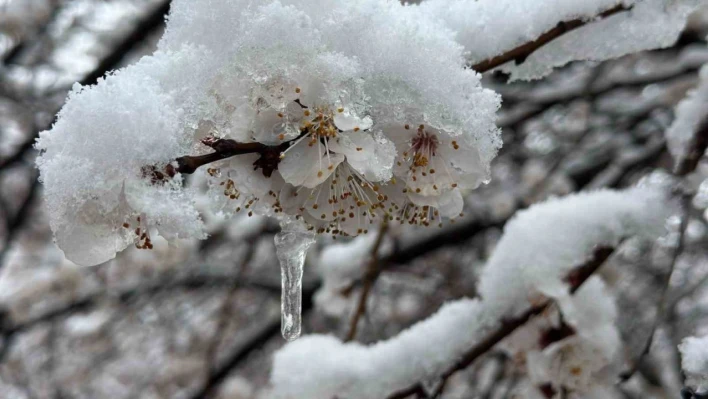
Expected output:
(226, 148)
(370, 276)
(14, 224)
(697, 149)
(142, 30)
(519, 54)
(9, 328)
(663, 306)
(269, 331)
(227, 309)
(575, 279)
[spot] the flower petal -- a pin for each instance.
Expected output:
(308, 165)
(370, 155)
(347, 121)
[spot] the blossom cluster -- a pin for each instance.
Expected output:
(370, 112)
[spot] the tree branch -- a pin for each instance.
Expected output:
(227, 148)
(576, 279)
(370, 276)
(697, 149)
(519, 54)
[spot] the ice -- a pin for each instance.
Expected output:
(291, 246)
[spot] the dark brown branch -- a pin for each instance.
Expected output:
(519, 54)
(370, 276)
(226, 308)
(576, 279)
(697, 149)
(270, 330)
(144, 28)
(226, 148)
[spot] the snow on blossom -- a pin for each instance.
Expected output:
(99, 192)
(570, 228)
(694, 361)
(691, 112)
(649, 24)
(343, 91)
(576, 362)
(540, 246)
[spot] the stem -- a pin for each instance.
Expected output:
(223, 149)
(372, 273)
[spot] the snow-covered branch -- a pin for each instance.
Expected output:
(488, 29)
(541, 248)
(521, 53)
(688, 135)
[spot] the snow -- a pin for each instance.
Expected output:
(650, 24)
(690, 113)
(694, 360)
(540, 246)
(576, 363)
(555, 236)
(93, 158)
(365, 70)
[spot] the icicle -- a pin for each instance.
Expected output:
(291, 245)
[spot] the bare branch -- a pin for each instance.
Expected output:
(370, 276)
(697, 149)
(226, 148)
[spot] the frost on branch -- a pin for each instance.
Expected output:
(694, 361)
(539, 249)
(342, 114)
(691, 116)
(646, 24)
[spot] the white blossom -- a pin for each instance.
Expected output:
(330, 84)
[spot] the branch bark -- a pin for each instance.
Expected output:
(519, 54)
(576, 279)
(696, 151)
(370, 276)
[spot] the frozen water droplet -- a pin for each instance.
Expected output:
(291, 245)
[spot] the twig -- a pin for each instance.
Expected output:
(143, 29)
(576, 279)
(226, 148)
(226, 307)
(269, 331)
(662, 304)
(697, 149)
(519, 54)
(370, 276)
(14, 224)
